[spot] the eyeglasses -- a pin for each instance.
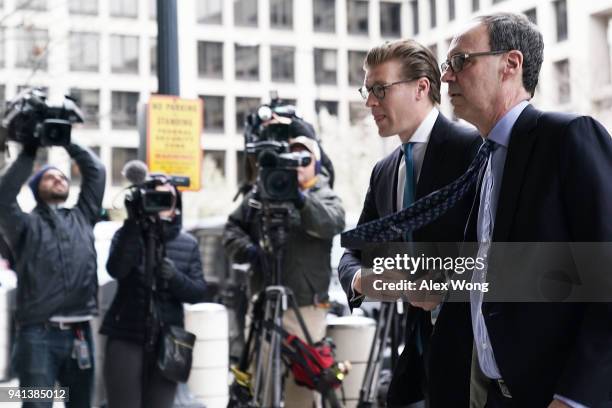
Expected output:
(457, 61)
(378, 89)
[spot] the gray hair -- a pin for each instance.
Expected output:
(510, 31)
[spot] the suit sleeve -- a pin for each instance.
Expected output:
(350, 262)
(586, 166)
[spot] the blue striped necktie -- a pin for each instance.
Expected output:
(422, 212)
(409, 183)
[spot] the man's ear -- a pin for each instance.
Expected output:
(513, 63)
(422, 88)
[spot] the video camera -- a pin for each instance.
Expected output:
(30, 120)
(268, 144)
(144, 200)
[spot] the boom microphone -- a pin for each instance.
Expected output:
(136, 171)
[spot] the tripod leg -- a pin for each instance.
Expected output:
(381, 333)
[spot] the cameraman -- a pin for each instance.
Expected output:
(306, 263)
(179, 279)
(55, 261)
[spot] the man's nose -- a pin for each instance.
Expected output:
(448, 75)
(371, 100)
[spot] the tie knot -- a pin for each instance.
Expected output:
(407, 147)
(488, 146)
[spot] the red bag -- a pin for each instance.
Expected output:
(313, 366)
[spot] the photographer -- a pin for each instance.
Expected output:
(178, 279)
(306, 263)
(55, 261)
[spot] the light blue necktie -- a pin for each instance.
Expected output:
(409, 182)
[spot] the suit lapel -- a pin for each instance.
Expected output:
(434, 155)
(519, 152)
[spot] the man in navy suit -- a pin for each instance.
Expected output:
(547, 180)
(402, 90)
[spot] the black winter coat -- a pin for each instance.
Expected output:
(55, 256)
(126, 316)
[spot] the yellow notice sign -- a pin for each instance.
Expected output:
(174, 126)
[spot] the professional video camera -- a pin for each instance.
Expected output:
(29, 119)
(143, 199)
(268, 144)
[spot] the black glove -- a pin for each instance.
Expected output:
(167, 269)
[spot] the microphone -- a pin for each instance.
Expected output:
(136, 171)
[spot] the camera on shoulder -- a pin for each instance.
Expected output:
(267, 134)
(31, 120)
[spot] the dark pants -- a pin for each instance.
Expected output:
(123, 364)
(42, 356)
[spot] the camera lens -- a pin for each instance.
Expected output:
(280, 183)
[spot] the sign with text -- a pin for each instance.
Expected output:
(174, 126)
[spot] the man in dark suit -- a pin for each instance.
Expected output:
(547, 180)
(402, 89)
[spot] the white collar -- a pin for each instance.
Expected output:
(421, 135)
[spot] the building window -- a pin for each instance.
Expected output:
(325, 66)
(84, 51)
(355, 67)
(357, 16)
(283, 64)
(433, 20)
(213, 166)
(210, 59)
(213, 113)
(241, 167)
(209, 11)
(562, 78)
(390, 25)
(247, 62)
(153, 55)
(475, 5)
(324, 15)
(331, 107)
(531, 15)
(414, 7)
(357, 112)
(497, 1)
(123, 109)
(451, 10)
(89, 102)
(123, 8)
(31, 5)
(244, 106)
(561, 19)
(124, 54)
(122, 155)
(83, 7)
(2, 99)
(245, 13)
(32, 48)
(281, 14)
(2, 47)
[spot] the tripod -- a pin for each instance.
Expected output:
(388, 323)
(268, 378)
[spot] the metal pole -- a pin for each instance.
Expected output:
(167, 48)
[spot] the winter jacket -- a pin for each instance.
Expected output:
(306, 262)
(55, 256)
(126, 316)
